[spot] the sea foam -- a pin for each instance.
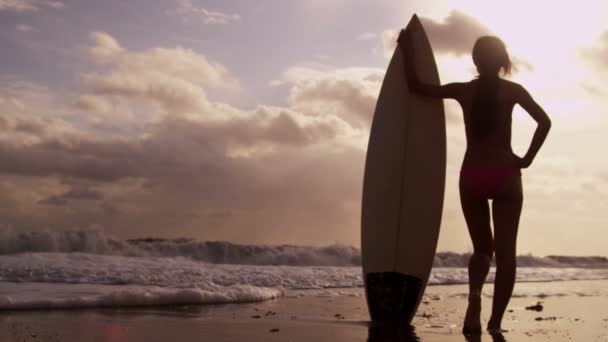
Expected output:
(67, 280)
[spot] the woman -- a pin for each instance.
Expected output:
(490, 169)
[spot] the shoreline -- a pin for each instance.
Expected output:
(144, 297)
(321, 315)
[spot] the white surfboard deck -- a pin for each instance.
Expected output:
(403, 187)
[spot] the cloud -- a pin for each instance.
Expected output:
(17, 5)
(594, 89)
(19, 96)
(596, 58)
(367, 36)
(68, 157)
(21, 6)
(105, 49)
(30, 114)
(180, 163)
(205, 169)
(353, 100)
(174, 78)
(54, 4)
(265, 169)
(75, 193)
(349, 93)
(389, 42)
(521, 64)
(455, 34)
(597, 55)
(53, 200)
(93, 103)
(83, 194)
(24, 28)
(188, 11)
(214, 171)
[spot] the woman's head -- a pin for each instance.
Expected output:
(490, 55)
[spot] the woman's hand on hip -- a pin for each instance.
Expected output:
(522, 163)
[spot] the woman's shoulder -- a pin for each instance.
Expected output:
(508, 85)
(502, 81)
(512, 85)
(513, 89)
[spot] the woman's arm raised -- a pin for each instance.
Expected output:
(448, 91)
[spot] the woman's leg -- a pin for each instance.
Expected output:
(477, 215)
(506, 210)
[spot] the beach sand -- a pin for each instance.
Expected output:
(325, 315)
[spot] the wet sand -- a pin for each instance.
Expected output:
(325, 315)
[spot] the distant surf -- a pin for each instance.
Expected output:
(222, 252)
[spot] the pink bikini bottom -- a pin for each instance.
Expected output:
(487, 181)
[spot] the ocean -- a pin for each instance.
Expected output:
(77, 269)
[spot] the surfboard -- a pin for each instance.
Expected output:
(403, 187)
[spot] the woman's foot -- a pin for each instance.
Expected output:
(472, 319)
(494, 328)
(497, 335)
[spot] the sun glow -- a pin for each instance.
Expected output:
(545, 40)
(541, 32)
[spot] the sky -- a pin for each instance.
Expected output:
(247, 121)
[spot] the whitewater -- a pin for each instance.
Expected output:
(80, 269)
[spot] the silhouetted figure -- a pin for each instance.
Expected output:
(490, 169)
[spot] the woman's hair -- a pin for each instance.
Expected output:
(490, 56)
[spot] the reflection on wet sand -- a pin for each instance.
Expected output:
(384, 332)
(496, 337)
(393, 332)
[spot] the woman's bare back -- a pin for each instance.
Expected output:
(495, 148)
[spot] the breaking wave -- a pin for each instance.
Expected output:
(222, 252)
